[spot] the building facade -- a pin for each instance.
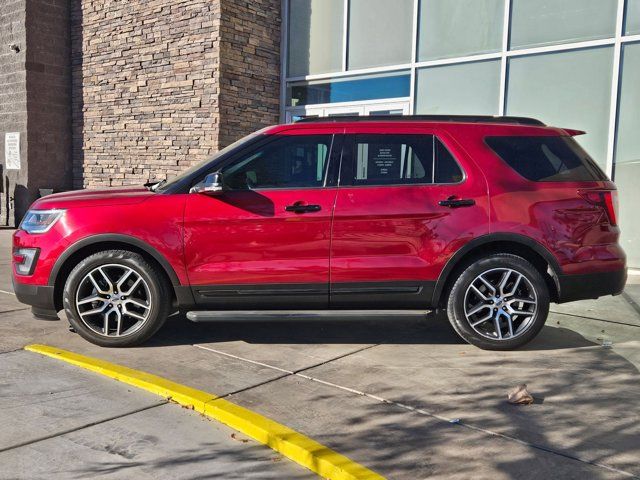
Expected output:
(138, 90)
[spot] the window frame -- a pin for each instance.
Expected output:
(348, 167)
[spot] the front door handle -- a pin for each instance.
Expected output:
(300, 207)
(453, 202)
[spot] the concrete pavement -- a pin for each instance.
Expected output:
(402, 396)
(61, 422)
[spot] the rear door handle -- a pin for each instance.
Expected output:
(453, 202)
(299, 207)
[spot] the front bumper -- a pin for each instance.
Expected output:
(591, 285)
(40, 297)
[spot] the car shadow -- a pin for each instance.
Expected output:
(365, 329)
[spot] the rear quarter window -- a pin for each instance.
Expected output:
(547, 159)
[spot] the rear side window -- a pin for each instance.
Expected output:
(547, 159)
(403, 159)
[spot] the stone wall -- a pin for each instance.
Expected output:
(13, 102)
(35, 100)
(145, 88)
(48, 96)
(250, 67)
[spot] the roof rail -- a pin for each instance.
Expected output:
(425, 118)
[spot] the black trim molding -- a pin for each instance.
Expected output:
(591, 285)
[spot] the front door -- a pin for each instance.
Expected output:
(264, 241)
(391, 233)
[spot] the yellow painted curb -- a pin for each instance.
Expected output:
(293, 445)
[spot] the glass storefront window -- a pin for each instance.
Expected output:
(566, 89)
(351, 89)
(632, 17)
(460, 27)
(548, 22)
(380, 33)
(627, 157)
(468, 88)
(315, 36)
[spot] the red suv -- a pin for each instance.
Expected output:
(490, 218)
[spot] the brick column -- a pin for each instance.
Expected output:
(35, 101)
(162, 84)
(249, 67)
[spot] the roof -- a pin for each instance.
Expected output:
(427, 118)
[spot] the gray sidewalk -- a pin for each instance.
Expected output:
(62, 422)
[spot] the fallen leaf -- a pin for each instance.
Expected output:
(520, 395)
(243, 440)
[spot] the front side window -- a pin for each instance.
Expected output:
(403, 159)
(288, 162)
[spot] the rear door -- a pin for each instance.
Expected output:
(264, 242)
(409, 197)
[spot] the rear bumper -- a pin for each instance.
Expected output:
(40, 297)
(591, 285)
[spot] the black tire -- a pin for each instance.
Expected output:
(158, 290)
(456, 300)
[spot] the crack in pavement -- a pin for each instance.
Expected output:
(420, 411)
(287, 373)
(595, 319)
(631, 302)
(82, 427)
(15, 310)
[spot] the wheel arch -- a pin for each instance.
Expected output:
(512, 243)
(87, 246)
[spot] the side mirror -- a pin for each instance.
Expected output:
(211, 185)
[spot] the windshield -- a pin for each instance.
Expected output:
(163, 185)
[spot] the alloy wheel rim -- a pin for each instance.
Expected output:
(113, 300)
(500, 304)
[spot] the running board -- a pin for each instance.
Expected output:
(285, 315)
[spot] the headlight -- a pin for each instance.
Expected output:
(40, 221)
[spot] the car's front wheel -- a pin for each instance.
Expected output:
(499, 302)
(116, 298)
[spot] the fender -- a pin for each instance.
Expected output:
(114, 237)
(491, 238)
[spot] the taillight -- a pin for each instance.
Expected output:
(607, 199)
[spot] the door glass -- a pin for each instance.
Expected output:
(289, 162)
(350, 89)
(403, 159)
(398, 111)
(292, 118)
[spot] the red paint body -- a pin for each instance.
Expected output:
(361, 234)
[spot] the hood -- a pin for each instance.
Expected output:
(94, 198)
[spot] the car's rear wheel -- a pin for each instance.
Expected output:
(499, 302)
(116, 298)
